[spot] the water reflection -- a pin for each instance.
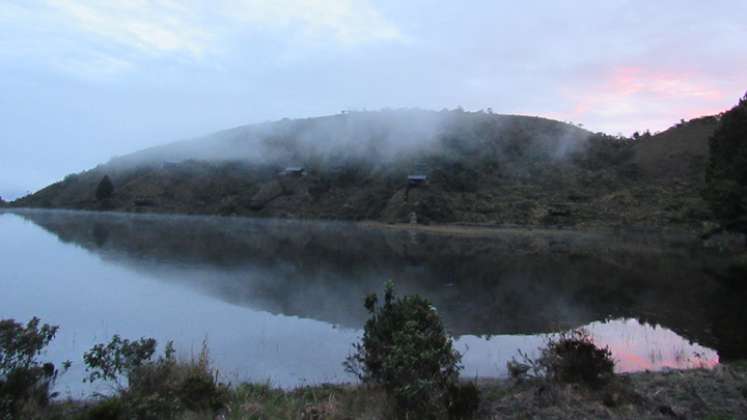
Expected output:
(281, 300)
(634, 346)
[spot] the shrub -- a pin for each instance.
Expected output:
(198, 387)
(571, 357)
(464, 399)
(121, 357)
(109, 409)
(575, 358)
(23, 378)
(156, 387)
(406, 349)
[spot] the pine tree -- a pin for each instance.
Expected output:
(726, 174)
(105, 188)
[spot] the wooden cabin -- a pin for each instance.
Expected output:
(294, 171)
(416, 180)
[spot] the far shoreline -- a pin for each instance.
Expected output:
(456, 228)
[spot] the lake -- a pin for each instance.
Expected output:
(282, 301)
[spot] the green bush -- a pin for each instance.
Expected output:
(571, 357)
(24, 379)
(406, 349)
(198, 387)
(108, 409)
(157, 388)
(463, 401)
(121, 357)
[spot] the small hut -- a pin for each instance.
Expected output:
(416, 180)
(297, 171)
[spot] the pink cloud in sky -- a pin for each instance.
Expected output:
(630, 98)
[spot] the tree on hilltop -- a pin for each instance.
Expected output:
(105, 188)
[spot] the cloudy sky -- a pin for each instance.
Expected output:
(82, 81)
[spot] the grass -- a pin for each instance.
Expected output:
(261, 401)
(720, 393)
(248, 401)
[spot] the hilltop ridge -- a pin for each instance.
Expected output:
(480, 168)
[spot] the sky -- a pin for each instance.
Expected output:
(83, 81)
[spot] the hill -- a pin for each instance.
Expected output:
(480, 168)
(679, 153)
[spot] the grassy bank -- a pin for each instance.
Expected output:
(720, 393)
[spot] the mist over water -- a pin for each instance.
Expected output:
(282, 300)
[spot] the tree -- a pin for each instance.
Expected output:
(726, 174)
(105, 188)
(406, 349)
(24, 378)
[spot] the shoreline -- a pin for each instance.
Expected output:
(734, 243)
(458, 228)
(719, 392)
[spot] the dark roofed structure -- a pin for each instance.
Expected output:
(294, 171)
(415, 180)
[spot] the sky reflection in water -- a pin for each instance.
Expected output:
(93, 295)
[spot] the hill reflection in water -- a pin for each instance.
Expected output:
(650, 297)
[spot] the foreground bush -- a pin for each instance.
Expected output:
(574, 357)
(571, 357)
(406, 349)
(157, 388)
(25, 382)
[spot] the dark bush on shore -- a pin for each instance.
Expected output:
(571, 357)
(574, 357)
(406, 349)
(25, 382)
(463, 400)
(157, 388)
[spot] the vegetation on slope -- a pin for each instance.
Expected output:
(482, 168)
(726, 176)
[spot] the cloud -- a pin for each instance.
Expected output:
(653, 98)
(347, 22)
(152, 27)
(102, 40)
(194, 28)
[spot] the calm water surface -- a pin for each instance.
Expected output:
(281, 301)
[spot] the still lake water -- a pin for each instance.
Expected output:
(281, 301)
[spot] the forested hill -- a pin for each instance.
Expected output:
(480, 168)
